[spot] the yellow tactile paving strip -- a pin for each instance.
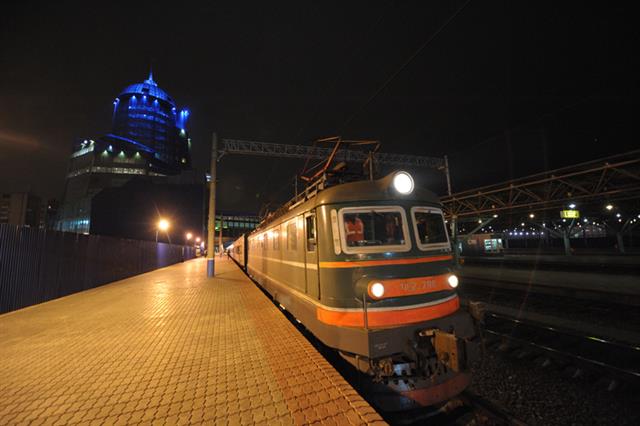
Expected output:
(168, 347)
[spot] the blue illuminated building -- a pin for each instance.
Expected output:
(149, 137)
(145, 115)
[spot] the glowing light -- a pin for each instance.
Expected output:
(531, 215)
(403, 183)
(609, 207)
(618, 215)
(189, 236)
(572, 206)
(522, 224)
(453, 281)
(495, 215)
(163, 224)
(377, 290)
(197, 239)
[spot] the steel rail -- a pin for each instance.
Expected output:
(620, 372)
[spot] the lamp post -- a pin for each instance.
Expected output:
(163, 225)
(211, 223)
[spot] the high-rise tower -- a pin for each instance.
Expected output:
(148, 138)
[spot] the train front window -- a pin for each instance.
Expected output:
(429, 228)
(373, 229)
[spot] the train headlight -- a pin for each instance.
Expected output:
(453, 281)
(403, 183)
(377, 290)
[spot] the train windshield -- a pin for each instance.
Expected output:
(429, 228)
(375, 229)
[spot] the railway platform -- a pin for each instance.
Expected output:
(168, 347)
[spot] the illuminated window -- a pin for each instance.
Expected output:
(373, 229)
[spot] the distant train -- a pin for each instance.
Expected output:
(367, 267)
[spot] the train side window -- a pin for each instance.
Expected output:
(292, 236)
(311, 233)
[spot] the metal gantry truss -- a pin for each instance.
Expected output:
(611, 178)
(235, 146)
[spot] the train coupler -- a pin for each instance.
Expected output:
(449, 349)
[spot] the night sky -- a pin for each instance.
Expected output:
(560, 78)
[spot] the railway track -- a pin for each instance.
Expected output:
(466, 409)
(601, 314)
(578, 354)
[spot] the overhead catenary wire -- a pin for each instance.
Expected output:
(403, 66)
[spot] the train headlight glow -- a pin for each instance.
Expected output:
(377, 290)
(403, 183)
(453, 281)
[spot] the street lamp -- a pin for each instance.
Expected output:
(197, 239)
(189, 236)
(163, 225)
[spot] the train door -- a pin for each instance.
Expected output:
(311, 255)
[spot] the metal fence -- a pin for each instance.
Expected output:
(37, 265)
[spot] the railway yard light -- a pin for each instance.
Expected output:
(531, 215)
(377, 290)
(609, 207)
(403, 183)
(453, 281)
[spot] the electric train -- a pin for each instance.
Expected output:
(367, 267)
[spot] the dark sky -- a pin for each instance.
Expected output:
(559, 77)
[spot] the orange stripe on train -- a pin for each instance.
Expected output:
(379, 319)
(365, 263)
(399, 287)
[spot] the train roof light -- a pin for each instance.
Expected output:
(403, 183)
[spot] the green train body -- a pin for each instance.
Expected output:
(413, 340)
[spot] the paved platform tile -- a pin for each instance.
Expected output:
(168, 347)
